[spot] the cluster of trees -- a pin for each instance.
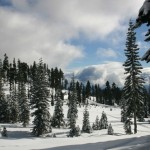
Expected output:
(108, 95)
(134, 96)
(30, 86)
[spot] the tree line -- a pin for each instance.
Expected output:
(35, 87)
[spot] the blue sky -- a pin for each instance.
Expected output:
(70, 34)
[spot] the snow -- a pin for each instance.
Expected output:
(20, 138)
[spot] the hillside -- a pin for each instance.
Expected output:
(20, 138)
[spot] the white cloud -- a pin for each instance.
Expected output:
(110, 71)
(22, 35)
(107, 53)
(34, 29)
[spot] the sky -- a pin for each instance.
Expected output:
(70, 34)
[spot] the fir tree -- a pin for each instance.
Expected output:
(86, 124)
(14, 105)
(75, 132)
(116, 94)
(24, 105)
(3, 103)
(127, 126)
(5, 71)
(4, 132)
(96, 125)
(58, 117)
(133, 87)
(88, 89)
(78, 88)
(72, 111)
(123, 110)
(103, 121)
(108, 94)
(110, 130)
(40, 102)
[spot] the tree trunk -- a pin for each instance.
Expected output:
(135, 123)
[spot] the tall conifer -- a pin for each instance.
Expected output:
(133, 87)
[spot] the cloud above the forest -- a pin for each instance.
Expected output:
(31, 29)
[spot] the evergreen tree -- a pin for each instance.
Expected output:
(14, 105)
(72, 110)
(98, 94)
(108, 94)
(88, 89)
(116, 94)
(133, 87)
(4, 132)
(103, 121)
(86, 124)
(123, 110)
(40, 102)
(96, 125)
(24, 105)
(78, 88)
(5, 71)
(58, 116)
(110, 130)
(127, 126)
(65, 84)
(3, 103)
(83, 94)
(75, 132)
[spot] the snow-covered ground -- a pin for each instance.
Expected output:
(19, 138)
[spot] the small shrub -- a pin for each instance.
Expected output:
(110, 130)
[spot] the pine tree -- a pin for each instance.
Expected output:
(127, 126)
(110, 130)
(24, 105)
(116, 94)
(3, 103)
(96, 125)
(4, 132)
(108, 94)
(73, 111)
(133, 87)
(88, 89)
(86, 124)
(103, 121)
(40, 102)
(98, 94)
(58, 116)
(14, 105)
(5, 71)
(78, 88)
(123, 110)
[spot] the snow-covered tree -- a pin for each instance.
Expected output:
(58, 116)
(86, 123)
(123, 110)
(75, 132)
(103, 121)
(24, 105)
(4, 111)
(5, 68)
(14, 106)
(96, 125)
(40, 102)
(72, 110)
(110, 130)
(4, 132)
(127, 126)
(133, 87)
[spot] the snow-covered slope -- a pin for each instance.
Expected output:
(19, 138)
